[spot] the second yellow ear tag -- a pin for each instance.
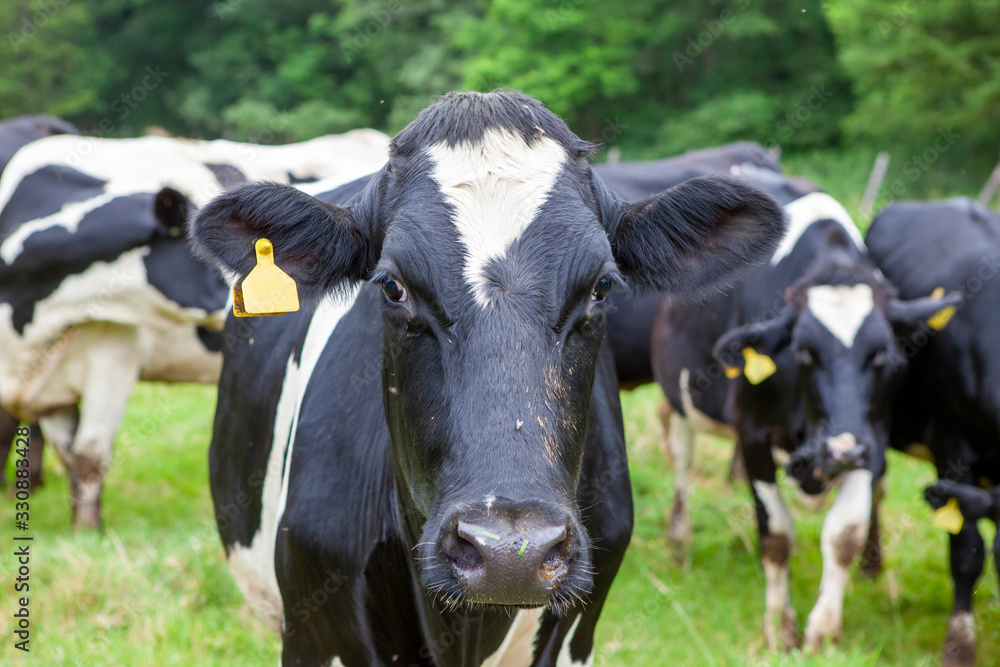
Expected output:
(949, 517)
(758, 367)
(267, 290)
(940, 319)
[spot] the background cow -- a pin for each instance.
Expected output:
(810, 341)
(15, 133)
(98, 288)
(949, 405)
(630, 322)
(464, 492)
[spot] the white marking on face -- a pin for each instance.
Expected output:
(779, 521)
(496, 186)
(809, 209)
(253, 566)
(847, 520)
(841, 309)
(518, 647)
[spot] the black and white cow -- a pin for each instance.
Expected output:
(630, 322)
(949, 407)
(811, 340)
(428, 468)
(16, 133)
(98, 288)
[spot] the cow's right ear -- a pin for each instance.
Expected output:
(766, 338)
(319, 245)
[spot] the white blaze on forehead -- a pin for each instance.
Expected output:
(841, 309)
(496, 185)
(809, 209)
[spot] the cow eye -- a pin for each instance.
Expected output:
(602, 288)
(393, 290)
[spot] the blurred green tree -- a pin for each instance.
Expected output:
(923, 71)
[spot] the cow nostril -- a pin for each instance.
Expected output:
(555, 557)
(464, 554)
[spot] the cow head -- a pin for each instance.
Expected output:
(841, 331)
(494, 248)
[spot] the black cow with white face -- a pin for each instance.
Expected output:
(949, 407)
(811, 342)
(473, 507)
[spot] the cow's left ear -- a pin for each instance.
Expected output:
(766, 339)
(171, 210)
(694, 235)
(319, 245)
(935, 312)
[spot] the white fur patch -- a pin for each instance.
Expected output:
(779, 521)
(518, 646)
(564, 659)
(809, 209)
(847, 519)
(841, 309)
(496, 187)
(253, 566)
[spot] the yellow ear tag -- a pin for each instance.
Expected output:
(759, 367)
(949, 517)
(267, 290)
(940, 319)
(732, 372)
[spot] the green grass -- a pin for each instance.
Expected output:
(155, 589)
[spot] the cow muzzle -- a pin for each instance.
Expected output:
(814, 465)
(514, 556)
(844, 452)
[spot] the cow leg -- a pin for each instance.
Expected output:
(871, 557)
(36, 445)
(113, 358)
(680, 443)
(844, 535)
(8, 429)
(967, 558)
(776, 537)
(737, 470)
(59, 429)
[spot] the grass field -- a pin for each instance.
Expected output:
(155, 590)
